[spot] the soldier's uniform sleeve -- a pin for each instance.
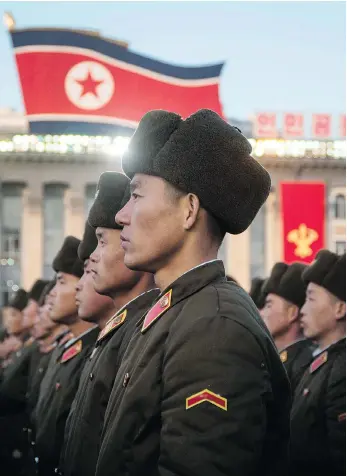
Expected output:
(215, 387)
(335, 407)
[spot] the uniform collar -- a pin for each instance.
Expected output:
(291, 344)
(319, 351)
(89, 335)
(186, 285)
(133, 309)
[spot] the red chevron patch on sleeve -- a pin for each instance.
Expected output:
(206, 396)
(71, 352)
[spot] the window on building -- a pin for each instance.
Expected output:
(340, 247)
(10, 240)
(53, 225)
(340, 207)
(257, 245)
(90, 191)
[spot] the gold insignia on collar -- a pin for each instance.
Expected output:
(112, 324)
(284, 356)
(71, 352)
(206, 396)
(157, 310)
(320, 360)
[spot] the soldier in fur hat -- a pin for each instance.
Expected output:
(13, 322)
(31, 310)
(201, 389)
(14, 450)
(318, 420)
(284, 293)
(60, 383)
(256, 292)
(131, 296)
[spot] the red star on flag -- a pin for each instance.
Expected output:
(89, 85)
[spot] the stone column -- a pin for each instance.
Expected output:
(271, 232)
(74, 219)
(31, 236)
(238, 258)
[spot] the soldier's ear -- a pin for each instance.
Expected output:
(191, 210)
(340, 310)
(293, 313)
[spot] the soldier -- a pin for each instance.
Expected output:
(284, 293)
(82, 439)
(47, 334)
(15, 377)
(201, 389)
(318, 419)
(13, 324)
(60, 383)
(14, 449)
(256, 292)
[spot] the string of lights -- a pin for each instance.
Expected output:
(116, 146)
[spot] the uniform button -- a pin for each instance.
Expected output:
(126, 379)
(262, 365)
(91, 376)
(40, 370)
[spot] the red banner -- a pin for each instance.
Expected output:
(303, 220)
(321, 126)
(343, 126)
(265, 125)
(293, 125)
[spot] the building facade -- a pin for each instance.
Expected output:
(47, 186)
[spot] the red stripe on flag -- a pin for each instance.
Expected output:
(43, 75)
(303, 220)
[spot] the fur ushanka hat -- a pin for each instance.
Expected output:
(111, 195)
(286, 281)
(256, 292)
(88, 244)
(67, 260)
(37, 289)
(328, 271)
(19, 300)
(203, 155)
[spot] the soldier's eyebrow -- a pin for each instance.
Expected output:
(134, 184)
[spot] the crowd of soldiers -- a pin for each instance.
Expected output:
(142, 358)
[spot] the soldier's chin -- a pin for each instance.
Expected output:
(135, 263)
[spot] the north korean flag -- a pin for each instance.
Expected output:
(79, 83)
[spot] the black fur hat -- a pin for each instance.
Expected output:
(286, 281)
(256, 292)
(46, 290)
(37, 289)
(203, 155)
(19, 300)
(109, 199)
(67, 260)
(88, 244)
(329, 271)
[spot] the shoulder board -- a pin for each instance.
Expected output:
(318, 362)
(71, 352)
(112, 324)
(157, 310)
(284, 356)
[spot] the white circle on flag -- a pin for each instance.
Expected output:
(89, 85)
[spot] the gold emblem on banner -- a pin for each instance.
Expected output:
(303, 237)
